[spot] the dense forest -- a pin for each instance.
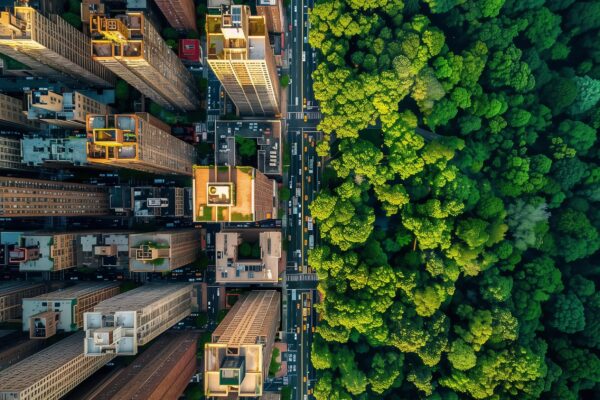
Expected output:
(460, 216)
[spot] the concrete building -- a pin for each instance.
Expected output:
(11, 114)
(67, 109)
(49, 252)
(10, 153)
(131, 47)
(262, 267)
(233, 194)
(236, 362)
(51, 47)
(272, 10)
(149, 201)
(110, 250)
(240, 55)
(162, 372)
(47, 151)
(267, 134)
(50, 373)
(11, 295)
(137, 141)
(181, 14)
(122, 323)
(163, 251)
(20, 197)
(62, 310)
(8, 241)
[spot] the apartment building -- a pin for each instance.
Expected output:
(240, 55)
(236, 362)
(131, 47)
(162, 372)
(10, 153)
(233, 194)
(49, 151)
(47, 252)
(181, 14)
(11, 114)
(163, 251)
(67, 110)
(50, 47)
(248, 257)
(149, 201)
(137, 141)
(109, 249)
(11, 295)
(272, 10)
(50, 373)
(20, 197)
(122, 323)
(62, 310)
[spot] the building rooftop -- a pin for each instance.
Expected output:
(38, 150)
(138, 298)
(9, 287)
(74, 292)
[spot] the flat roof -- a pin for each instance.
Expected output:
(76, 291)
(139, 298)
(7, 288)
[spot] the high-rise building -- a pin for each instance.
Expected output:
(20, 197)
(67, 109)
(104, 250)
(50, 373)
(131, 47)
(62, 310)
(10, 153)
(162, 372)
(51, 47)
(258, 262)
(149, 201)
(11, 295)
(48, 252)
(41, 150)
(122, 323)
(163, 251)
(236, 362)
(137, 141)
(11, 114)
(181, 14)
(240, 55)
(272, 10)
(233, 194)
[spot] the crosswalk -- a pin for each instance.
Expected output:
(311, 115)
(302, 277)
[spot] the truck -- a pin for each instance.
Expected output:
(311, 242)
(309, 223)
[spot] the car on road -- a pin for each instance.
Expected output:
(305, 117)
(290, 27)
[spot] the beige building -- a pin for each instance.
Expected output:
(10, 153)
(233, 194)
(51, 373)
(50, 46)
(272, 10)
(47, 252)
(131, 47)
(240, 55)
(163, 251)
(181, 14)
(236, 362)
(122, 323)
(20, 197)
(233, 267)
(11, 114)
(67, 110)
(11, 295)
(137, 141)
(62, 310)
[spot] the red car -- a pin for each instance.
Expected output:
(290, 27)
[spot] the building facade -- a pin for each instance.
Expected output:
(163, 251)
(233, 194)
(67, 109)
(62, 310)
(20, 197)
(122, 323)
(137, 141)
(10, 153)
(131, 47)
(236, 362)
(262, 267)
(11, 295)
(11, 114)
(46, 252)
(50, 47)
(240, 55)
(272, 10)
(181, 14)
(50, 373)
